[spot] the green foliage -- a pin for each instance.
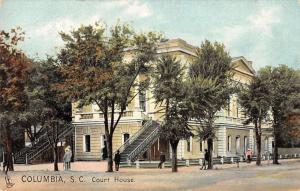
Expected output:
(170, 94)
(284, 87)
(210, 85)
(102, 68)
(255, 100)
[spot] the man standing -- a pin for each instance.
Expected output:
(117, 160)
(162, 159)
(67, 158)
(205, 161)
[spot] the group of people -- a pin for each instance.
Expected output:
(248, 154)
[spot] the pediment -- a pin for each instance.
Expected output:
(242, 65)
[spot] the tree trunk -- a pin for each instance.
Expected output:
(174, 144)
(9, 149)
(275, 151)
(258, 142)
(109, 154)
(55, 157)
(258, 146)
(210, 150)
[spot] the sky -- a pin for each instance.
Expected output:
(265, 32)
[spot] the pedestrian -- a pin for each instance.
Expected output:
(205, 161)
(249, 155)
(117, 160)
(104, 151)
(6, 164)
(67, 158)
(162, 159)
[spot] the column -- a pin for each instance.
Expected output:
(251, 139)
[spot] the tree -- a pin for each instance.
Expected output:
(13, 67)
(170, 92)
(211, 71)
(101, 66)
(255, 102)
(284, 87)
(46, 107)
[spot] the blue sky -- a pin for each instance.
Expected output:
(265, 32)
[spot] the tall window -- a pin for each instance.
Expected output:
(229, 144)
(237, 107)
(237, 144)
(142, 99)
(266, 144)
(87, 143)
(125, 137)
(201, 146)
(228, 107)
(246, 145)
(189, 144)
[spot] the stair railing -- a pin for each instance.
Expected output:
(45, 145)
(41, 134)
(151, 138)
(133, 137)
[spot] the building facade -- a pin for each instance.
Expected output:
(233, 138)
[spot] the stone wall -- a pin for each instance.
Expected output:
(96, 133)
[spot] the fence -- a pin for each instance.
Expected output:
(198, 162)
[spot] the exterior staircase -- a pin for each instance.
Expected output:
(40, 146)
(140, 142)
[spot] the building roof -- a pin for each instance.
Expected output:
(178, 44)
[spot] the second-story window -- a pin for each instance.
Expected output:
(189, 144)
(142, 99)
(228, 107)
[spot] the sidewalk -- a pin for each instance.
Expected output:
(101, 166)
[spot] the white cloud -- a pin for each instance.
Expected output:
(251, 39)
(264, 20)
(1, 2)
(260, 23)
(134, 8)
(53, 27)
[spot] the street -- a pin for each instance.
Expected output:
(227, 177)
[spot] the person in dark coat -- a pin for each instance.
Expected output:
(205, 161)
(117, 160)
(104, 151)
(162, 159)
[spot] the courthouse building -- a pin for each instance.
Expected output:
(138, 128)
